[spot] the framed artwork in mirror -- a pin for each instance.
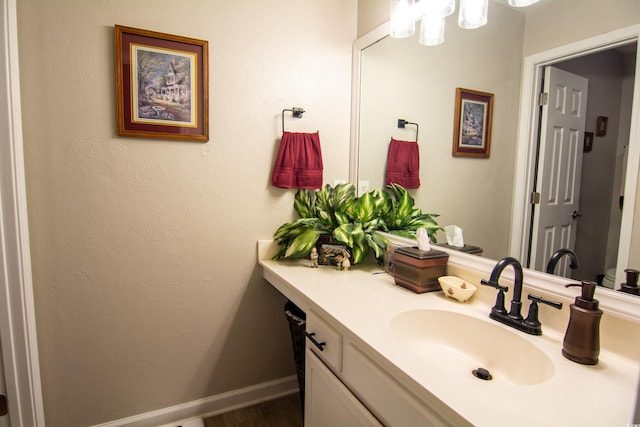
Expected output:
(161, 85)
(472, 123)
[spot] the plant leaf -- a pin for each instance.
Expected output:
(291, 230)
(301, 246)
(405, 205)
(378, 251)
(365, 208)
(323, 205)
(303, 204)
(344, 233)
(342, 218)
(341, 196)
(359, 253)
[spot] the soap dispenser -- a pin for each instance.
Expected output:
(582, 340)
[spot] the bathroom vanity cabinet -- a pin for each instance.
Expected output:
(345, 386)
(369, 373)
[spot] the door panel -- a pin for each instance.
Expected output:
(558, 181)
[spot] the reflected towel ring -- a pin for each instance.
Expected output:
(295, 112)
(403, 122)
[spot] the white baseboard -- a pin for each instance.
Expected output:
(211, 405)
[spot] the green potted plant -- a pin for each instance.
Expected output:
(355, 222)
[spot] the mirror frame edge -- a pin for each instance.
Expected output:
(361, 43)
(616, 303)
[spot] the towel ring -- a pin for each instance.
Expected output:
(403, 122)
(295, 112)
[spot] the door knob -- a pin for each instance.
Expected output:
(575, 214)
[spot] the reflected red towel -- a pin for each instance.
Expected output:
(403, 164)
(299, 162)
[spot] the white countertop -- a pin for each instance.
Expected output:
(364, 303)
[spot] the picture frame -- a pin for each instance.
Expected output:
(588, 142)
(601, 125)
(162, 85)
(473, 117)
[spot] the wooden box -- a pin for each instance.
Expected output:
(418, 270)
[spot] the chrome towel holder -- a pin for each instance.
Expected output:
(295, 112)
(403, 122)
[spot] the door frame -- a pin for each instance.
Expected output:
(533, 70)
(17, 311)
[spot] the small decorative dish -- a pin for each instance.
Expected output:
(457, 288)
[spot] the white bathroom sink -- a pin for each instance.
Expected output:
(461, 344)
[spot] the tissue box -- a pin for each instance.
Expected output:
(418, 270)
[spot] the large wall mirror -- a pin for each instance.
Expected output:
(488, 198)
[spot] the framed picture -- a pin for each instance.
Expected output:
(601, 125)
(472, 123)
(161, 85)
(588, 142)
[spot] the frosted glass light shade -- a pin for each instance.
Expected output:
(432, 30)
(447, 7)
(473, 13)
(402, 21)
(522, 3)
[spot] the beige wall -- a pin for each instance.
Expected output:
(553, 23)
(371, 14)
(147, 291)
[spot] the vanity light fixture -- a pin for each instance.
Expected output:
(473, 13)
(403, 20)
(432, 13)
(431, 30)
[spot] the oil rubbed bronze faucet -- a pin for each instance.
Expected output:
(513, 318)
(573, 259)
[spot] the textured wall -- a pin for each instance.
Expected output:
(146, 285)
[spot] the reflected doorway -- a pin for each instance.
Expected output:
(611, 75)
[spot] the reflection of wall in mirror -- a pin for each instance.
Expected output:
(595, 17)
(474, 194)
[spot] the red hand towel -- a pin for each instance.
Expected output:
(299, 162)
(403, 164)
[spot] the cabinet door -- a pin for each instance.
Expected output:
(328, 403)
(388, 398)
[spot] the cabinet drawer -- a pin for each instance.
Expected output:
(387, 398)
(330, 350)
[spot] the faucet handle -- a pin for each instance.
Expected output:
(532, 318)
(494, 285)
(498, 309)
(536, 299)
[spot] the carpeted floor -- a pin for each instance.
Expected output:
(282, 412)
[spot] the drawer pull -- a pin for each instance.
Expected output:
(320, 345)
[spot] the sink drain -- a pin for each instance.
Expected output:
(482, 373)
